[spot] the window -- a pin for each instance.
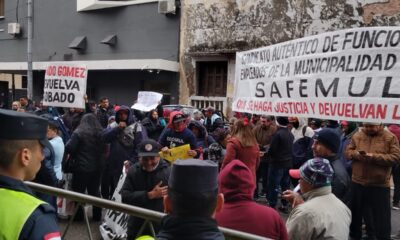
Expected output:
(212, 79)
(24, 82)
(2, 9)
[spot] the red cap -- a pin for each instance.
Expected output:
(294, 173)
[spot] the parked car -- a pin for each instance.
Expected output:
(186, 109)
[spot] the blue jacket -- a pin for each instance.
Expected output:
(170, 138)
(41, 222)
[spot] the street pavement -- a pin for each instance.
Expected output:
(78, 230)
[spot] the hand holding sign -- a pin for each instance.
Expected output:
(147, 101)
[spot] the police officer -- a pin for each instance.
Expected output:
(22, 215)
(191, 202)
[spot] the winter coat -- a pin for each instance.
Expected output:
(213, 122)
(298, 132)
(203, 139)
(137, 184)
(234, 181)
(321, 216)
(189, 228)
(344, 142)
(71, 120)
(87, 150)
(153, 128)
(395, 129)
(119, 151)
(59, 148)
(280, 152)
(341, 180)
(264, 134)
(248, 155)
(374, 171)
(103, 114)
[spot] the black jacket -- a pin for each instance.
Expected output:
(341, 180)
(137, 184)
(189, 228)
(153, 128)
(103, 115)
(87, 150)
(43, 219)
(280, 151)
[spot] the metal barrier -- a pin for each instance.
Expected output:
(129, 209)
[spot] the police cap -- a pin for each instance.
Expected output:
(193, 175)
(22, 126)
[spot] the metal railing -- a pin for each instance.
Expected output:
(200, 102)
(129, 209)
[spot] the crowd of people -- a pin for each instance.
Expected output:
(331, 177)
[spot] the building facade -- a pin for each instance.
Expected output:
(212, 31)
(128, 46)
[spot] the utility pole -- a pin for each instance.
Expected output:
(29, 48)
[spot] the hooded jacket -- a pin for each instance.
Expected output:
(153, 127)
(171, 138)
(298, 132)
(203, 140)
(118, 151)
(235, 183)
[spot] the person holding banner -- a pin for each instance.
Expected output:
(146, 183)
(374, 151)
(177, 134)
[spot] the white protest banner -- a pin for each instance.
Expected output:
(349, 74)
(115, 223)
(65, 85)
(147, 101)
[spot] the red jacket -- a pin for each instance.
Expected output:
(395, 129)
(240, 212)
(248, 155)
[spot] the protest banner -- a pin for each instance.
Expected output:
(348, 75)
(176, 153)
(115, 223)
(147, 101)
(65, 85)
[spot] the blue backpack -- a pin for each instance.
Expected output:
(302, 149)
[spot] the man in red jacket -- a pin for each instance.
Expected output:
(240, 212)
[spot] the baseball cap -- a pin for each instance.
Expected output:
(149, 148)
(317, 171)
(178, 118)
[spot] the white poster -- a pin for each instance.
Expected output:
(147, 101)
(65, 85)
(349, 74)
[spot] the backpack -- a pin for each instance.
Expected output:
(302, 150)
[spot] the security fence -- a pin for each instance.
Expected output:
(146, 214)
